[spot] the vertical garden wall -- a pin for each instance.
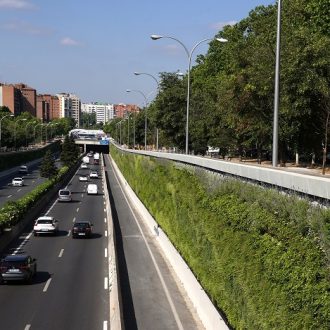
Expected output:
(263, 257)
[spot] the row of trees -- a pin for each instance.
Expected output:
(232, 88)
(24, 129)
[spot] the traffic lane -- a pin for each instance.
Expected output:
(48, 251)
(151, 290)
(9, 192)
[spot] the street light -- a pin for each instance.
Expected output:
(35, 131)
(189, 55)
(10, 115)
(155, 79)
(277, 87)
(15, 126)
(145, 119)
(26, 131)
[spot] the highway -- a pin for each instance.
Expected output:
(31, 180)
(70, 290)
(152, 297)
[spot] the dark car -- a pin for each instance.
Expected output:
(18, 268)
(82, 229)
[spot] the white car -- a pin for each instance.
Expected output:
(45, 225)
(92, 189)
(93, 174)
(83, 178)
(83, 165)
(23, 169)
(17, 182)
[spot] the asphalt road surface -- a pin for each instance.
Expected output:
(152, 297)
(70, 290)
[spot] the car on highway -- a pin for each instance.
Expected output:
(45, 225)
(17, 182)
(92, 189)
(23, 169)
(64, 195)
(83, 178)
(20, 267)
(82, 229)
(93, 174)
(83, 165)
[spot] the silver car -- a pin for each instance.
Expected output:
(64, 195)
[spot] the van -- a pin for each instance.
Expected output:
(64, 195)
(23, 169)
(92, 189)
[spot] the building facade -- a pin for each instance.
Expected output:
(53, 105)
(122, 110)
(69, 106)
(10, 97)
(103, 112)
(28, 98)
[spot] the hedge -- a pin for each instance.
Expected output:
(263, 257)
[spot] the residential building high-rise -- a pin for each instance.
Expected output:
(69, 106)
(103, 112)
(10, 97)
(122, 110)
(28, 98)
(53, 105)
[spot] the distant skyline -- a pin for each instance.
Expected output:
(93, 48)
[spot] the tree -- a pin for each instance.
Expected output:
(48, 169)
(70, 151)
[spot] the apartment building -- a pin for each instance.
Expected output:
(122, 110)
(28, 98)
(10, 97)
(53, 106)
(69, 106)
(103, 111)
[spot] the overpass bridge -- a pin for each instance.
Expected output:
(86, 145)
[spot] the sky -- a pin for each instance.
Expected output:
(92, 48)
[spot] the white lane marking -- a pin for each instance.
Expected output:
(33, 181)
(19, 190)
(105, 325)
(69, 232)
(47, 285)
(77, 209)
(61, 253)
(105, 252)
(82, 195)
(74, 219)
(105, 283)
(23, 243)
(161, 278)
(106, 233)
(51, 207)
(105, 220)
(9, 196)
(28, 326)
(105, 210)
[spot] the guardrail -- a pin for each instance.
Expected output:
(317, 187)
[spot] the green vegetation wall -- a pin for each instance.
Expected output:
(263, 257)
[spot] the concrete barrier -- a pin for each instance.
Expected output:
(208, 314)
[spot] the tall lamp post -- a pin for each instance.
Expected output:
(6, 116)
(189, 55)
(157, 82)
(277, 87)
(15, 127)
(145, 117)
(35, 131)
(26, 132)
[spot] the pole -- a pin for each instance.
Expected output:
(277, 88)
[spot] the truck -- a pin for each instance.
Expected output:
(86, 159)
(96, 158)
